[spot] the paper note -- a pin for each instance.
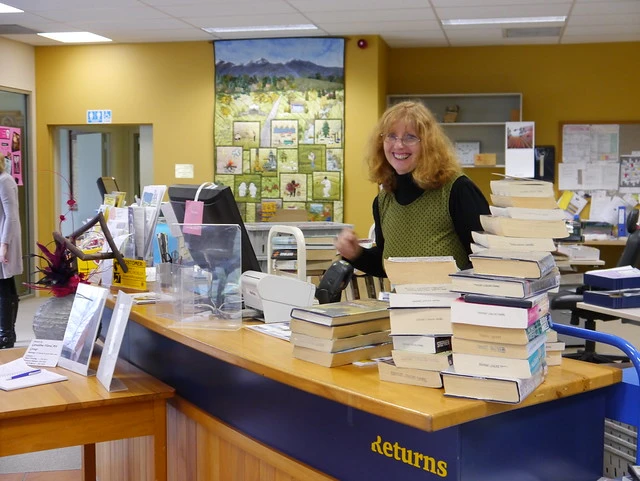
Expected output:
(43, 352)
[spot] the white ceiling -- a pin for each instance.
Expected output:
(401, 23)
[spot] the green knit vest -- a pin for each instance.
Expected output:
(422, 228)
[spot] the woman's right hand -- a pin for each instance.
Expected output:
(347, 244)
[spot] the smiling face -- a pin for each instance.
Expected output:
(403, 158)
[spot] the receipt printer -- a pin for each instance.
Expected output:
(275, 295)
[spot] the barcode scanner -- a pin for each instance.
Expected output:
(333, 282)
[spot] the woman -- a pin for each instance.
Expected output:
(426, 206)
(10, 257)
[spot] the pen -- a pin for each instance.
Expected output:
(24, 374)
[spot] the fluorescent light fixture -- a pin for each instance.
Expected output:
(8, 9)
(265, 28)
(498, 21)
(75, 37)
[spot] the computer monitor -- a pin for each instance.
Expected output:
(106, 185)
(219, 208)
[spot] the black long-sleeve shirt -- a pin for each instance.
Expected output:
(466, 204)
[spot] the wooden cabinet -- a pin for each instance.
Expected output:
(480, 118)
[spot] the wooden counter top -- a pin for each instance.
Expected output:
(359, 387)
(78, 392)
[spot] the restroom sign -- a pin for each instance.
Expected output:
(98, 116)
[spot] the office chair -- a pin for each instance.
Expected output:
(630, 256)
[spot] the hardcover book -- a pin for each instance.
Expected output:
(506, 226)
(345, 312)
(336, 332)
(497, 316)
(341, 358)
(468, 282)
(426, 344)
(389, 372)
(497, 262)
(421, 360)
(419, 270)
(527, 243)
(626, 277)
(488, 388)
(479, 365)
(501, 334)
(421, 321)
(515, 351)
(339, 344)
(507, 301)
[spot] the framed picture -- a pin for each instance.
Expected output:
(466, 151)
(82, 328)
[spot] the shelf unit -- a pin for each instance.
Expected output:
(482, 117)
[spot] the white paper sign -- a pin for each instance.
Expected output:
(112, 343)
(43, 352)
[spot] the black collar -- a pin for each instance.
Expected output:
(406, 189)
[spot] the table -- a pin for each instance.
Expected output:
(338, 421)
(81, 411)
(629, 315)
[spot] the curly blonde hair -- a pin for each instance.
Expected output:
(437, 161)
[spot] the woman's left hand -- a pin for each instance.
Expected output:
(3, 253)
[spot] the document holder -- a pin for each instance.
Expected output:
(200, 286)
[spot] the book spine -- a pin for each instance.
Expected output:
(497, 316)
(527, 385)
(551, 280)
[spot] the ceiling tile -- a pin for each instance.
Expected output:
(349, 16)
(372, 28)
(615, 7)
(228, 8)
(364, 5)
(248, 20)
(503, 11)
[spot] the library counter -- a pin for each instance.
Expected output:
(344, 423)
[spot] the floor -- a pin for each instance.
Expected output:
(54, 465)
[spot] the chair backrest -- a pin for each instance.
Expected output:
(631, 253)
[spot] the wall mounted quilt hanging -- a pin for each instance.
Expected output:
(279, 125)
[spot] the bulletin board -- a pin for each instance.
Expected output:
(600, 161)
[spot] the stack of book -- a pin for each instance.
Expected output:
(554, 349)
(499, 340)
(341, 333)
(420, 312)
(321, 252)
(524, 217)
(421, 333)
(498, 347)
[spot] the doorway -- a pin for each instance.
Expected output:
(85, 153)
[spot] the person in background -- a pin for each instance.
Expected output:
(426, 205)
(10, 257)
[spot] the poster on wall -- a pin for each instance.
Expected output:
(279, 125)
(11, 152)
(519, 155)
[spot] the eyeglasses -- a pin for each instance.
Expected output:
(407, 140)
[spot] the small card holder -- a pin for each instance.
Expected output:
(193, 212)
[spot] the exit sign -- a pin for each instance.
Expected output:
(98, 116)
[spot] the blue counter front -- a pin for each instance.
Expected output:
(356, 433)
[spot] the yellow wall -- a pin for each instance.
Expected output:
(584, 82)
(171, 86)
(168, 85)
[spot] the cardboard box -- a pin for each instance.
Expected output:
(484, 159)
